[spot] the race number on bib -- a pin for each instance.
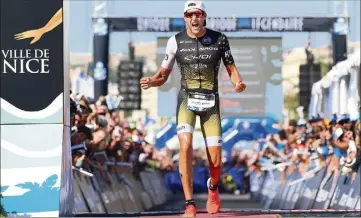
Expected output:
(200, 102)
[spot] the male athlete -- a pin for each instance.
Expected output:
(198, 51)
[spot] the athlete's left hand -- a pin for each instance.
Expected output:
(240, 87)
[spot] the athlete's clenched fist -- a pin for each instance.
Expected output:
(145, 83)
(240, 86)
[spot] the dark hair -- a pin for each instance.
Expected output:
(292, 123)
(73, 108)
(282, 134)
(86, 131)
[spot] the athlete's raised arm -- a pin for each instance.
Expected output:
(228, 62)
(166, 68)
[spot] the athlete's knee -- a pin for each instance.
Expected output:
(185, 142)
(215, 156)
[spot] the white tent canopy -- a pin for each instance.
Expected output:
(337, 92)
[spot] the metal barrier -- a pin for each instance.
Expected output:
(317, 189)
(98, 191)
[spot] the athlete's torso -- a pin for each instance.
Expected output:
(199, 59)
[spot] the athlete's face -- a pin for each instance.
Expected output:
(195, 20)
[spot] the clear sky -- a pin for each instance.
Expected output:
(81, 12)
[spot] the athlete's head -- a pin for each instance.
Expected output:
(195, 16)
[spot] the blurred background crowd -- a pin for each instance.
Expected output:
(122, 142)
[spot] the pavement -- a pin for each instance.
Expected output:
(228, 201)
(232, 206)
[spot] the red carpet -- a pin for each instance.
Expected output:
(226, 214)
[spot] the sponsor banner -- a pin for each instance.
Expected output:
(31, 174)
(347, 192)
(358, 204)
(256, 183)
(315, 190)
(310, 190)
(273, 192)
(267, 186)
(356, 189)
(281, 192)
(111, 199)
(293, 192)
(91, 193)
(340, 196)
(326, 190)
(234, 24)
(32, 78)
(290, 178)
(96, 192)
(32, 67)
(80, 205)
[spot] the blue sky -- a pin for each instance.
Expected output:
(82, 11)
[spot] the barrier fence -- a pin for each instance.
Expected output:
(118, 191)
(316, 189)
(117, 188)
(104, 192)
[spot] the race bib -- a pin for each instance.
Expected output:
(200, 101)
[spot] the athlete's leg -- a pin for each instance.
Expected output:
(185, 163)
(214, 154)
(185, 125)
(212, 132)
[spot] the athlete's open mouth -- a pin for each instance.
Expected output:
(195, 24)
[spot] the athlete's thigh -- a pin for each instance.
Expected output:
(211, 126)
(186, 119)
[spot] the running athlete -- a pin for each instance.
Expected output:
(198, 52)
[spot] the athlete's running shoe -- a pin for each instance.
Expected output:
(190, 211)
(213, 202)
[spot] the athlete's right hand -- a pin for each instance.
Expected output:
(145, 83)
(240, 87)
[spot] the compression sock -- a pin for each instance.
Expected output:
(190, 202)
(213, 187)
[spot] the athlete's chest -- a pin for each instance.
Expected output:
(197, 51)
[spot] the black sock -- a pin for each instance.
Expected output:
(213, 187)
(190, 202)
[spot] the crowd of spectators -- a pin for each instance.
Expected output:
(333, 144)
(303, 146)
(102, 141)
(97, 129)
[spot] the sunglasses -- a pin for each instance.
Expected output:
(197, 13)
